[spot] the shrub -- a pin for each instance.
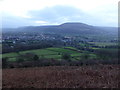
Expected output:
(19, 59)
(85, 56)
(66, 56)
(4, 62)
(36, 57)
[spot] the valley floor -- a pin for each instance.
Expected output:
(98, 76)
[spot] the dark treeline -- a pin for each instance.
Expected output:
(40, 45)
(53, 62)
(19, 48)
(33, 60)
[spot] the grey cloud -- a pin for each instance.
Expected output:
(14, 21)
(57, 14)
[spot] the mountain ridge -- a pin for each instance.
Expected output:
(66, 28)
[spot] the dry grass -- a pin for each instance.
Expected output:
(102, 76)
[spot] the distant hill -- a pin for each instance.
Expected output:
(67, 28)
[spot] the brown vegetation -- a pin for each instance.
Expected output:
(102, 76)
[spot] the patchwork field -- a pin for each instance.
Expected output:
(49, 53)
(97, 76)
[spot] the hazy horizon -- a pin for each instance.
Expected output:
(57, 25)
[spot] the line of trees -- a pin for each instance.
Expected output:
(33, 60)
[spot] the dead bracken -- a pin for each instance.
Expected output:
(97, 76)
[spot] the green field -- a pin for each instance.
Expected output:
(103, 43)
(48, 53)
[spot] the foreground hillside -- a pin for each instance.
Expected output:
(99, 76)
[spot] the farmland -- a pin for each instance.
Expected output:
(83, 53)
(97, 76)
(48, 53)
(50, 45)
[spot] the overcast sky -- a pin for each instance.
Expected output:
(16, 13)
